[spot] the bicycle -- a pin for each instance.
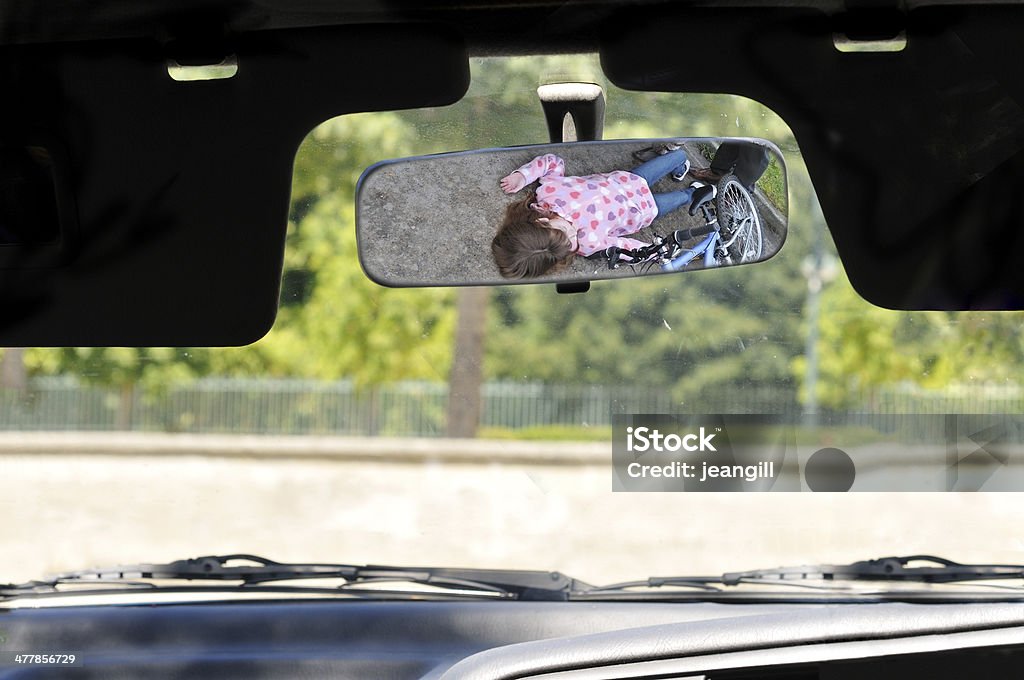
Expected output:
(739, 220)
(731, 234)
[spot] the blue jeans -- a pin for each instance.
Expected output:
(658, 167)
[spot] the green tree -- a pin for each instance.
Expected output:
(863, 347)
(153, 369)
(337, 323)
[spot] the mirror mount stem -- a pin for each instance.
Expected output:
(574, 111)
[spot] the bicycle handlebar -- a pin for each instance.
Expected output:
(615, 255)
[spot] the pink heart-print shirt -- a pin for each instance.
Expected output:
(603, 207)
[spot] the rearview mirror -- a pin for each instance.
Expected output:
(579, 211)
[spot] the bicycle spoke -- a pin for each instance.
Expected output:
(741, 225)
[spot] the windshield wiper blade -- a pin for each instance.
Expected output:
(892, 569)
(824, 578)
(512, 584)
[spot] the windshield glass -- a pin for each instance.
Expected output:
(329, 439)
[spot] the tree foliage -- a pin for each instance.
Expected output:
(862, 347)
(338, 324)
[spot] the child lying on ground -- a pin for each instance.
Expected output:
(568, 216)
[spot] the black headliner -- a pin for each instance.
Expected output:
(39, 21)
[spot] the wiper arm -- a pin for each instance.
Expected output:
(883, 569)
(512, 584)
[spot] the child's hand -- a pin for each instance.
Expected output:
(513, 183)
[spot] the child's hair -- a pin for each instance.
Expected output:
(524, 248)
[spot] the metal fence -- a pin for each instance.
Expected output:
(266, 406)
(271, 406)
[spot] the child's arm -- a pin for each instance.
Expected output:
(589, 246)
(548, 165)
(629, 243)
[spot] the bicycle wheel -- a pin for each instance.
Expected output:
(738, 220)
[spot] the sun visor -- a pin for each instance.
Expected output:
(913, 133)
(145, 186)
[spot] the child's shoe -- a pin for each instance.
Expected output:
(679, 174)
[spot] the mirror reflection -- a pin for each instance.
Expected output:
(578, 211)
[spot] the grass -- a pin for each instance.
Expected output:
(550, 433)
(822, 436)
(773, 184)
(706, 150)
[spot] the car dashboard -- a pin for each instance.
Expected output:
(395, 640)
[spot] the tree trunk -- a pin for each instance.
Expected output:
(466, 378)
(13, 375)
(126, 407)
(373, 412)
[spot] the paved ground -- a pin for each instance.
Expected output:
(431, 222)
(63, 512)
